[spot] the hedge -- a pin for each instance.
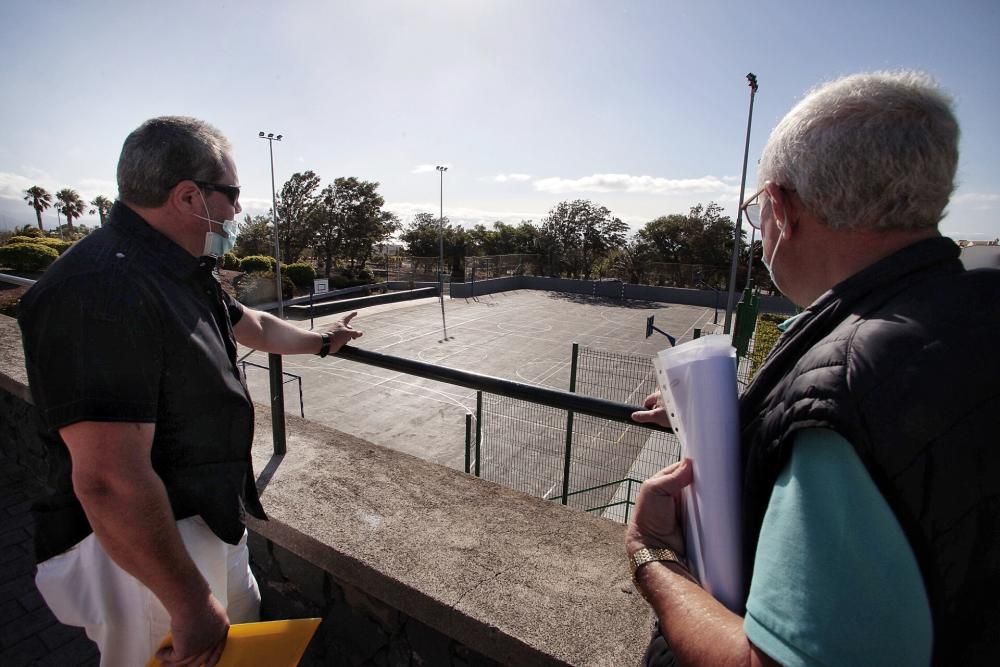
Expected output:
(258, 287)
(27, 257)
(58, 245)
(257, 263)
(230, 262)
(300, 273)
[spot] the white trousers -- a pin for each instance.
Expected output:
(84, 587)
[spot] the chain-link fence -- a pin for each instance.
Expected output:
(485, 267)
(599, 469)
(412, 269)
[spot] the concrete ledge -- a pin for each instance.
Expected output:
(345, 305)
(502, 576)
(515, 578)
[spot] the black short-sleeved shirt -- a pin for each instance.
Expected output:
(128, 327)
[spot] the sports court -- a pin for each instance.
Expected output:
(521, 335)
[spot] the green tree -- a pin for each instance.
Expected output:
(102, 207)
(71, 206)
(298, 210)
(255, 236)
(578, 234)
(39, 199)
(426, 234)
(503, 239)
(352, 222)
(703, 236)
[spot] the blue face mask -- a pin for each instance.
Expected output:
(217, 245)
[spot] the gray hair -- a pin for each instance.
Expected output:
(876, 150)
(164, 151)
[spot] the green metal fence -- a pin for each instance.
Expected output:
(582, 461)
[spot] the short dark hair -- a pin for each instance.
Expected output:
(162, 152)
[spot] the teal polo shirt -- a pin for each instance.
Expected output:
(835, 581)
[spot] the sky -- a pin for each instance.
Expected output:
(638, 106)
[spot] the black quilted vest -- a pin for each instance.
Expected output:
(903, 360)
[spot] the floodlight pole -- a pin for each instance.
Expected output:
(277, 379)
(731, 298)
(444, 326)
(274, 213)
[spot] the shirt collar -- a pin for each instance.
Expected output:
(171, 257)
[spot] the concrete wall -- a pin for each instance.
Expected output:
(614, 290)
(408, 562)
(344, 305)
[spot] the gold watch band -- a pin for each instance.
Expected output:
(644, 555)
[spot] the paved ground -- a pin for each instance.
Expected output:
(522, 335)
(29, 633)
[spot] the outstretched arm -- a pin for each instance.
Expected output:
(265, 332)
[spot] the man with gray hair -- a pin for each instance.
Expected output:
(871, 483)
(130, 348)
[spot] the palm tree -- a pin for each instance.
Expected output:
(102, 206)
(39, 199)
(70, 205)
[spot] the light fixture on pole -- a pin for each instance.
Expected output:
(444, 326)
(737, 233)
(275, 372)
(274, 214)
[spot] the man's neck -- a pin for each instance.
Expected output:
(166, 221)
(847, 252)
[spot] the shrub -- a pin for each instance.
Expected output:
(258, 287)
(338, 282)
(300, 273)
(30, 232)
(27, 257)
(230, 262)
(58, 245)
(257, 264)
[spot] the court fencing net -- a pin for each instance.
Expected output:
(593, 464)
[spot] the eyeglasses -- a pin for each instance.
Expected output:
(751, 208)
(232, 192)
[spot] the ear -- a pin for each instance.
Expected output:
(186, 198)
(785, 207)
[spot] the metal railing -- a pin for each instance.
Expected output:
(555, 398)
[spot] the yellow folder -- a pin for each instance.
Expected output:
(266, 644)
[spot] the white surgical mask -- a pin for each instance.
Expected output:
(217, 245)
(769, 263)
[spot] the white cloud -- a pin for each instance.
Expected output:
(628, 183)
(12, 186)
(985, 200)
(516, 178)
(91, 187)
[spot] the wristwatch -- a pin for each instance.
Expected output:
(642, 556)
(325, 347)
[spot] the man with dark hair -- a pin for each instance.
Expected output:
(130, 347)
(871, 472)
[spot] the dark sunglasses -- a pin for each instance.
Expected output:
(232, 192)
